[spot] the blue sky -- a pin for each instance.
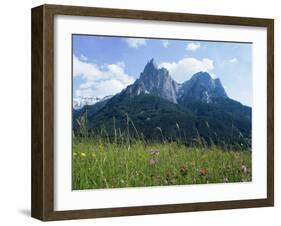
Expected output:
(104, 65)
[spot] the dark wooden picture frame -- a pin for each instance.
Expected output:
(42, 203)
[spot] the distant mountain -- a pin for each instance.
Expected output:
(197, 109)
(80, 102)
(91, 110)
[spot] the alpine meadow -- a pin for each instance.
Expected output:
(155, 112)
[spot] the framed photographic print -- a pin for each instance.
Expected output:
(141, 112)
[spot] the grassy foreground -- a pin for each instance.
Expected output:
(110, 165)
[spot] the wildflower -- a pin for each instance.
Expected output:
(225, 180)
(203, 172)
(183, 170)
(243, 169)
(170, 178)
(152, 162)
(155, 152)
(83, 154)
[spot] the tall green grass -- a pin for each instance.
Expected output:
(109, 165)
(100, 161)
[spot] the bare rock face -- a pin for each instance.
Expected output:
(154, 81)
(201, 87)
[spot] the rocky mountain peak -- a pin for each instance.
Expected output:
(151, 65)
(157, 81)
(201, 87)
(201, 75)
(154, 81)
(151, 71)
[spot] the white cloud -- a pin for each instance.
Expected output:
(135, 42)
(186, 67)
(108, 87)
(233, 60)
(83, 57)
(102, 80)
(165, 43)
(192, 46)
(84, 92)
(84, 69)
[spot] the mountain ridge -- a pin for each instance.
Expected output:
(201, 86)
(196, 108)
